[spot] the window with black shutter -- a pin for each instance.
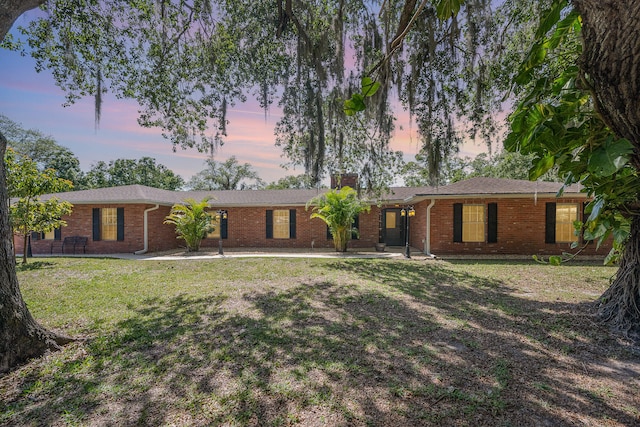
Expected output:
(281, 224)
(108, 224)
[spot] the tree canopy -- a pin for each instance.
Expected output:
(144, 171)
(227, 175)
(186, 62)
(25, 184)
(291, 181)
(42, 149)
(506, 164)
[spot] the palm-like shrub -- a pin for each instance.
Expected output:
(338, 209)
(192, 221)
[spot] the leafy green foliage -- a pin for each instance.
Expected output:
(144, 171)
(42, 149)
(356, 103)
(508, 165)
(186, 62)
(27, 212)
(192, 221)
(338, 209)
(227, 175)
(557, 124)
(291, 182)
(448, 8)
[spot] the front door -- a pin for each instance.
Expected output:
(393, 227)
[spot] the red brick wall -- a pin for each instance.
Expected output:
(521, 229)
(80, 223)
(247, 229)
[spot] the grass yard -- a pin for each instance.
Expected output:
(321, 342)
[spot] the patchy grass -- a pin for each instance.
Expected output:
(313, 342)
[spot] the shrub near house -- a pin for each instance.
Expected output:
(338, 209)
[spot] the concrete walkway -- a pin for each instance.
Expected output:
(211, 253)
(266, 253)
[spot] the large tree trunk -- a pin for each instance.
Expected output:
(620, 304)
(21, 338)
(611, 64)
(10, 10)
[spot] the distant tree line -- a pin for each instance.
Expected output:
(230, 174)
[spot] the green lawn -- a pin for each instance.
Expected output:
(321, 342)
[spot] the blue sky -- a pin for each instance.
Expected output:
(33, 100)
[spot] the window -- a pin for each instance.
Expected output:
(471, 224)
(108, 224)
(559, 222)
(390, 219)
(54, 234)
(281, 224)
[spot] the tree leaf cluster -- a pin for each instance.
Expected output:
(27, 211)
(42, 149)
(143, 171)
(227, 175)
(186, 62)
(557, 124)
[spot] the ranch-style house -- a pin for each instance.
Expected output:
(478, 216)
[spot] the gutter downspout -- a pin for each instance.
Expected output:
(146, 230)
(427, 240)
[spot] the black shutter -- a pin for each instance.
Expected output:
(269, 224)
(96, 224)
(457, 222)
(356, 224)
(223, 227)
(57, 234)
(120, 219)
(292, 223)
(492, 222)
(329, 236)
(550, 223)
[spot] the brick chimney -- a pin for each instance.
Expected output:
(345, 180)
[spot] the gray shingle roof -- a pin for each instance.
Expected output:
(129, 194)
(499, 186)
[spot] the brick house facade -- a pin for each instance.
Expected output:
(480, 216)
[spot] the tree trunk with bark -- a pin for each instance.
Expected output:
(21, 337)
(10, 10)
(610, 62)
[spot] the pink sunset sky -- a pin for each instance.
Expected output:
(34, 101)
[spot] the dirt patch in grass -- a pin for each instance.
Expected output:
(268, 342)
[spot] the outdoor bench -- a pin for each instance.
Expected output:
(75, 242)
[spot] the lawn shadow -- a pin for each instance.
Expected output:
(34, 265)
(557, 352)
(402, 344)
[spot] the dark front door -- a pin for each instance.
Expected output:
(393, 227)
